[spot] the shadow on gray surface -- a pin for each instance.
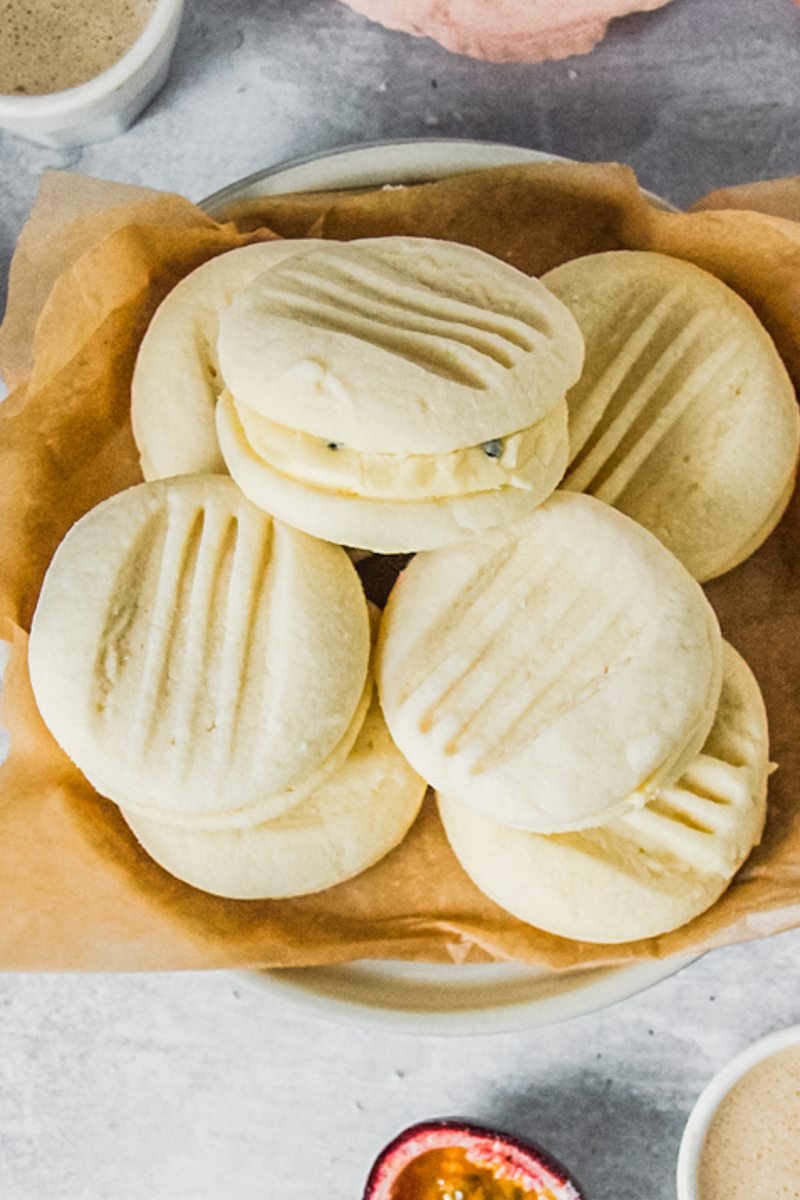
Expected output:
(615, 1138)
(209, 40)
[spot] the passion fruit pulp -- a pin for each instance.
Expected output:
(456, 1160)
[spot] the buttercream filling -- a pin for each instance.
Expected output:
(513, 461)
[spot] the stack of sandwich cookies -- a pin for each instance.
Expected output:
(176, 381)
(396, 394)
(554, 675)
(684, 416)
(650, 871)
(207, 669)
(547, 662)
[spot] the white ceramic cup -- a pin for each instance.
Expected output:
(694, 1136)
(107, 104)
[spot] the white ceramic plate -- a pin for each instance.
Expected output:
(422, 997)
(430, 998)
(382, 164)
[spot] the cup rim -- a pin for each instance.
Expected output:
(83, 94)
(709, 1100)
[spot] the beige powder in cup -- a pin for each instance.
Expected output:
(752, 1148)
(49, 45)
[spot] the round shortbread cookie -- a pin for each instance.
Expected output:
(399, 345)
(749, 547)
(195, 655)
(553, 674)
(652, 870)
(391, 526)
(267, 808)
(270, 806)
(176, 381)
(351, 821)
(684, 417)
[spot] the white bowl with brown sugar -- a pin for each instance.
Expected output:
(742, 1140)
(78, 71)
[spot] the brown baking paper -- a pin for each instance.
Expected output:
(93, 263)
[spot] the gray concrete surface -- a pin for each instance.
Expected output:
(196, 1087)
